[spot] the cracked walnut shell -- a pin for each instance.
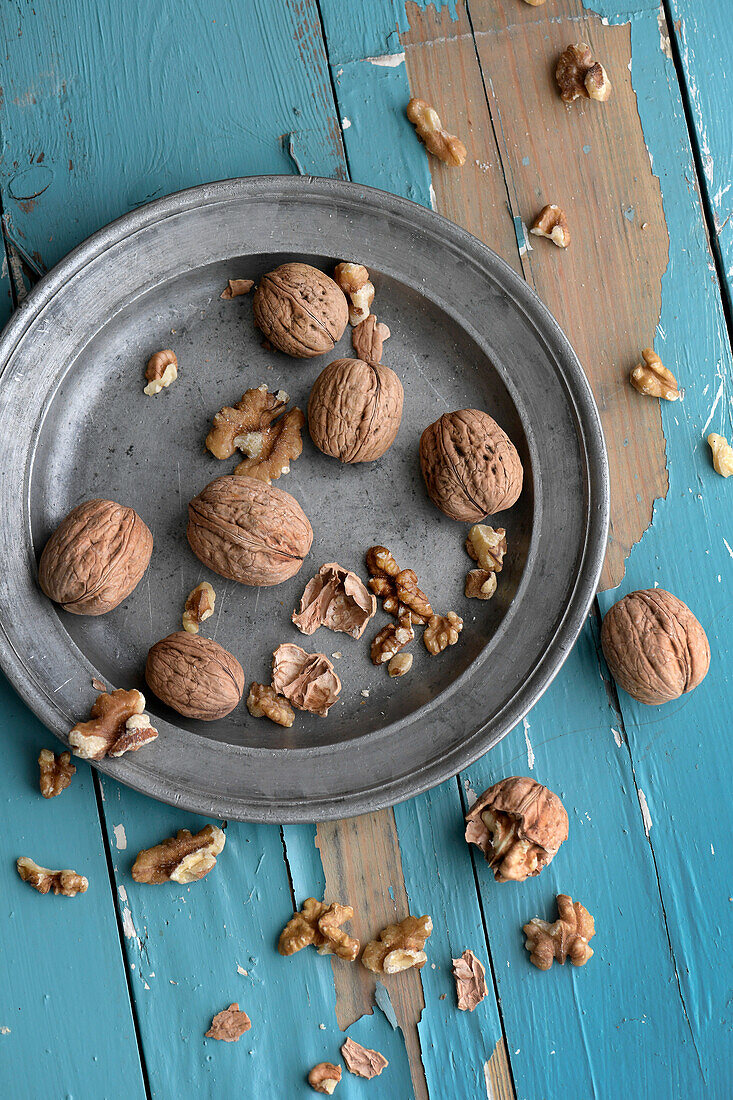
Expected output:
(319, 923)
(470, 465)
(264, 702)
(552, 223)
(183, 858)
(301, 311)
(259, 426)
(519, 825)
(117, 724)
(56, 772)
(248, 531)
(229, 1025)
(655, 648)
(470, 976)
(195, 676)
(361, 1061)
(44, 880)
(399, 946)
(579, 76)
(336, 599)
(307, 680)
(355, 409)
(653, 379)
(567, 938)
(95, 557)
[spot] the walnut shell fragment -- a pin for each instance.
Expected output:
(355, 409)
(307, 680)
(229, 1025)
(519, 825)
(470, 976)
(248, 531)
(361, 1061)
(336, 599)
(236, 287)
(182, 858)
(655, 648)
(301, 311)
(95, 557)
(195, 676)
(470, 465)
(368, 339)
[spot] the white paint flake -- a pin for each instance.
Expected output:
(617, 737)
(716, 402)
(728, 547)
(365, 692)
(664, 43)
(128, 925)
(712, 850)
(120, 838)
(526, 247)
(387, 60)
(471, 795)
(645, 815)
(530, 750)
(4, 1030)
(433, 199)
(241, 970)
(345, 123)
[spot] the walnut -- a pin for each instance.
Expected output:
(566, 938)
(442, 631)
(264, 702)
(392, 638)
(578, 75)
(487, 546)
(447, 147)
(480, 584)
(199, 607)
(319, 923)
(324, 1077)
(722, 454)
(411, 595)
(42, 879)
(368, 339)
(519, 825)
(248, 531)
(399, 947)
(400, 664)
(300, 310)
(654, 646)
(379, 560)
(552, 223)
(397, 588)
(471, 467)
(95, 557)
(259, 426)
(183, 858)
(195, 676)
(653, 379)
(354, 281)
(116, 725)
(470, 978)
(336, 599)
(355, 409)
(361, 1061)
(56, 772)
(236, 287)
(229, 1025)
(307, 680)
(162, 369)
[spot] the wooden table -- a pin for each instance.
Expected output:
(108, 105)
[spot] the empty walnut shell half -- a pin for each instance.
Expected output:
(300, 310)
(654, 646)
(354, 410)
(470, 465)
(519, 825)
(95, 557)
(248, 531)
(195, 676)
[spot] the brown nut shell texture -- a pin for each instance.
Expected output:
(654, 646)
(355, 409)
(195, 676)
(248, 531)
(470, 465)
(307, 680)
(95, 557)
(519, 825)
(300, 310)
(337, 599)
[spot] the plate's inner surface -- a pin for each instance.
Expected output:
(102, 437)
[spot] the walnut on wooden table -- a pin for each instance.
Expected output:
(446, 147)
(399, 946)
(552, 223)
(56, 772)
(44, 880)
(579, 76)
(566, 938)
(652, 378)
(319, 923)
(183, 858)
(722, 454)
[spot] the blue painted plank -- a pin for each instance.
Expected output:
(64, 992)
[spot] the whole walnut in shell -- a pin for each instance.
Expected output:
(354, 410)
(248, 531)
(95, 557)
(519, 825)
(654, 646)
(470, 465)
(195, 676)
(300, 310)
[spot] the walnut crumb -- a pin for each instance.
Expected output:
(722, 454)
(324, 1077)
(199, 607)
(353, 279)
(652, 378)
(44, 880)
(567, 938)
(56, 772)
(552, 224)
(162, 369)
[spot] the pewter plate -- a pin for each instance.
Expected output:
(74, 424)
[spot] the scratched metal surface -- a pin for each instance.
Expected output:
(646, 789)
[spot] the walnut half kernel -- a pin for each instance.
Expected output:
(579, 76)
(567, 938)
(442, 631)
(44, 880)
(56, 772)
(199, 607)
(319, 924)
(117, 724)
(446, 147)
(264, 702)
(399, 946)
(652, 378)
(183, 858)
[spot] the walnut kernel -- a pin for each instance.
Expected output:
(400, 664)
(392, 638)
(447, 147)
(324, 1077)
(262, 430)
(162, 369)
(722, 454)
(579, 76)
(567, 938)
(487, 546)
(264, 702)
(42, 879)
(183, 858)
(319, 923)
(397, 588)
(199, 607)
(399, 946)
(552, 224)
(519, 825)
(442, 631)
(117, 724)
(353, 279)
(653, 379)
(480, 584)
(56, 772)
